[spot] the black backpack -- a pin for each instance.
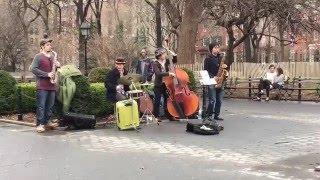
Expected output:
(194, 126)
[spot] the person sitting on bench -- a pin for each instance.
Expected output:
(278, 80)
(266, 82)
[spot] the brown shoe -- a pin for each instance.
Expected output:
(51, 126)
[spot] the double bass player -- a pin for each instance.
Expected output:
(161, 69)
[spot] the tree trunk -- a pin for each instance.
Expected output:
(81, 52)
(99, 28)
(58, 18)
(158, 23)
(247, 50)
(281, 32)
(229, 53)
(187, 32)
(255, 57)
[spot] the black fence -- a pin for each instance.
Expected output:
(295, 89)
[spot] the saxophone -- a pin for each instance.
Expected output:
(54, 80)
(222, 74)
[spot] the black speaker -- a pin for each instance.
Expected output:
(78, 121)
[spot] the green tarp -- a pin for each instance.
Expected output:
(67, 86)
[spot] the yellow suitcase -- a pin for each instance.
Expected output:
(127, 114)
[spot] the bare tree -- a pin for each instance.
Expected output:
(82, 8)
(97, 10)
(13, 45)
(185, 16)
(157, 10)
(237, 16)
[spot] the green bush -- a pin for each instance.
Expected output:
(192, 79)
(82, 97)
(97, 75)
(7, 92)
(89, 98)
(99, 105)
(28, 96)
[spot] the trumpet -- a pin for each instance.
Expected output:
(54, 79)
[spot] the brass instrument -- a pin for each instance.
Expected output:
(54, 79)
(222, 74)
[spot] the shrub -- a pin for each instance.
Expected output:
(192, 79)
(81, 99)
(89, 98)
(99, 105)
(97, 75)
(7, 92)
(28, 96)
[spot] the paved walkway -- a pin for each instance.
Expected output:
(274, 140)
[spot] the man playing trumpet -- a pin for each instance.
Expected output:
(42, 67)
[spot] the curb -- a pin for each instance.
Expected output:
(18, 123)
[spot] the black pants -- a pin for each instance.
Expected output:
(160, 91)
(264, 84)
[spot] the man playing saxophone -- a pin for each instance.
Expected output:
(43, 67)
(213, 65)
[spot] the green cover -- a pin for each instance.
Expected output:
(67, 86)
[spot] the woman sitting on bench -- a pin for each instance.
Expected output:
(272, 80)
(278, 80)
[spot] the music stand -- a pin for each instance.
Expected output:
(205, 82)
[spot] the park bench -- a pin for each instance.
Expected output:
(284, 93)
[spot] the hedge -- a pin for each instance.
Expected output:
(192, 79)
(7, 92)
(98, 75)
(89, 98)
(28, 96)
(93, 103)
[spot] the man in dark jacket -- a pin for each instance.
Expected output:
(212, 64)
(161, 69)
(144, 66)
(116, 91)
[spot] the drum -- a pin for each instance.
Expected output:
(147, 86)
(145, 104)
(135, 94)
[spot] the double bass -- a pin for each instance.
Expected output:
(181, 102)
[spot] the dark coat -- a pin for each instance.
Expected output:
(212, 64)
(148, 71)
(111, 82)
(159, 72)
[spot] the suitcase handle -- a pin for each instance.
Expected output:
(118, 115)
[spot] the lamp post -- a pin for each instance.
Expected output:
(85, 31)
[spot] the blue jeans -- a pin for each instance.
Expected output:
(45, 103)
(214, 101)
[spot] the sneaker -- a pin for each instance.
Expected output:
(158, 120)
(40, 128)
(267, 99)
(317, 168)
(51, 126)
(257, 99)
(218, 118)
(203, 127)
